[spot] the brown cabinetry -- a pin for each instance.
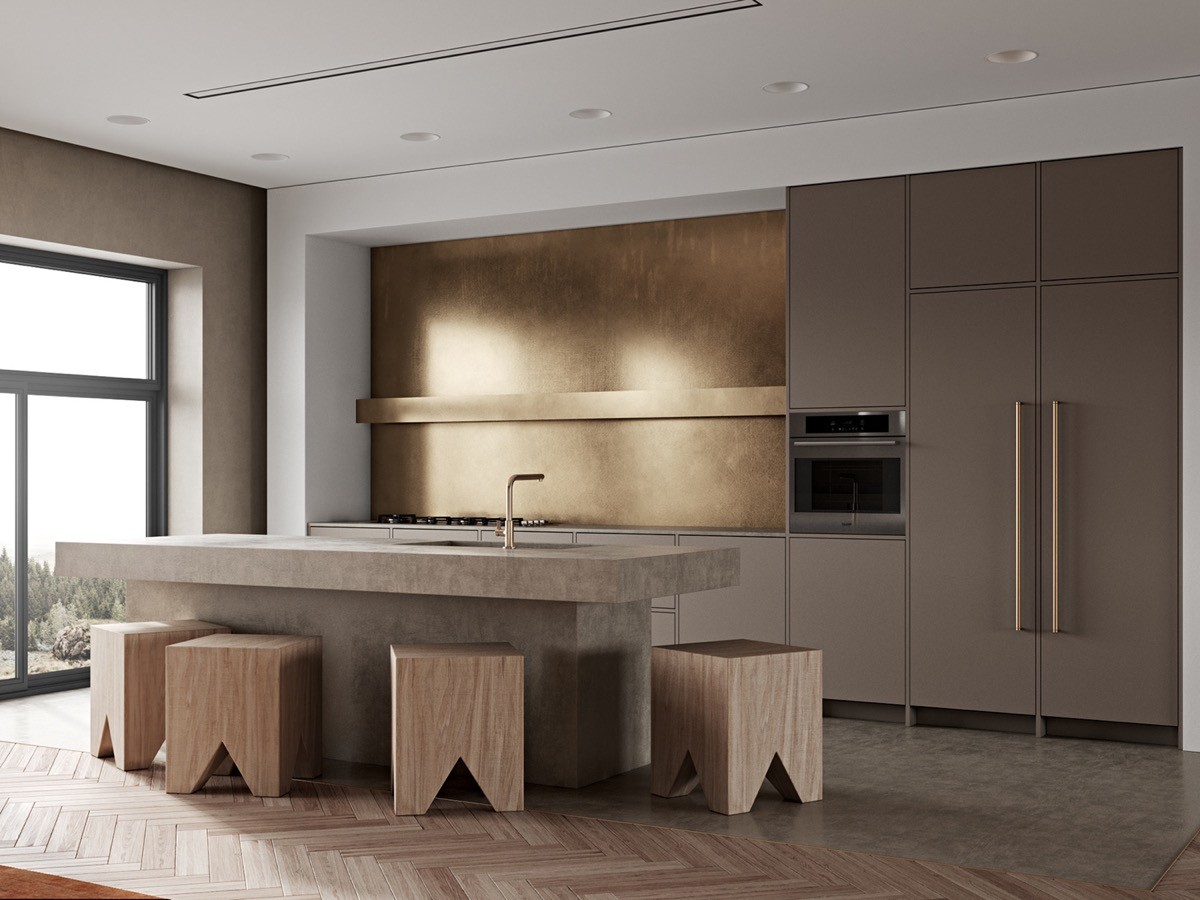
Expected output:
(1108, 216)
(974, 358)
(1109, 359)
(848, 600)
(973, 226)
(846, 294)
(754, 609)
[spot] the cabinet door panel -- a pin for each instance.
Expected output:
(360, 532)
(848, 602)
(846, 290)
(635, 540)
(973, 226)
(973, 357)
(1109, 355)
(1111, 215)
(529, 536)
(662, 627)
(411, 535)
(753, 610)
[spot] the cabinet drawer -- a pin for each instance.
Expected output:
(662, 627)
(359, 532)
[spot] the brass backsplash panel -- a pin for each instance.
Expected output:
(703, 472)
(689, 303)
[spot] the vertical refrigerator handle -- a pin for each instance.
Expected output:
(1017, 513)
(1054, 518)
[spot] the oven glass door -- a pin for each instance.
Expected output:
(846, 489)
(847, 485)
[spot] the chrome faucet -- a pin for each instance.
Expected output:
(505, 529)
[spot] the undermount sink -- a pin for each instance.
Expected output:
(496, 543)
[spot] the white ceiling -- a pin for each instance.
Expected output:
(65, 65)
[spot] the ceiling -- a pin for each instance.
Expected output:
(66, 65)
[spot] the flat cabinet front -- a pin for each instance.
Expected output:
(529, 536)
(1109, 358)
(358, 532)
(973, 226)
(974, 357)
(1106, 216)
(846, 290)
(848, 602)
(414, 535)
(1084, 492)
(755, 609)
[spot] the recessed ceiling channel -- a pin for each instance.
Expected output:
(671, 15)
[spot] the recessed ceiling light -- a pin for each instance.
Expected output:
(128, 120)
(785, 87)
(1011, 56)
(270, 157)
(589, 113)
(420, 136)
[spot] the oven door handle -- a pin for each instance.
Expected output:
(844, 443)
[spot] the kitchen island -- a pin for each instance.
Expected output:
(579, 613)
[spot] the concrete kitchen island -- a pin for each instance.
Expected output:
(580, 614)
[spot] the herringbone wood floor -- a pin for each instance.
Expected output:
(69, 814)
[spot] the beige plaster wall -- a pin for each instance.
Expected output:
(82, 198)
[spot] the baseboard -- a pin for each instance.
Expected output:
(971, 718)
(871, 712)
(1162, 735)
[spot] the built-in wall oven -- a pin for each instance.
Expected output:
(847, 472)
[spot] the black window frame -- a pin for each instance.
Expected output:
(23, 384)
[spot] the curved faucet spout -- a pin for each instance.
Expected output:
(506, 529)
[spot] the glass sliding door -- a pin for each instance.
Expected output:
(9, 651)
(87, 482)
(82, 409)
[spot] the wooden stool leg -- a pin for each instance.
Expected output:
(308, 758)
(188, 769)
(676, 723)
(673, 779)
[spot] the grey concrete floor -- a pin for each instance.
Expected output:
(1092, 810)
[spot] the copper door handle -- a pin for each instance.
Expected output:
(1054, 519)
(1017, 513)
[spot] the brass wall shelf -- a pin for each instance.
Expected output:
(694, 403)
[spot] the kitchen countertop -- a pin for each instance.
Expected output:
(576, 573)
(576, 528)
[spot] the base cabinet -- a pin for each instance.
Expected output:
(755, 609)
(662, 627)
(848, 601)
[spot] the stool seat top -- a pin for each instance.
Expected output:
(735, 649)
(155, 627)
(435, 651)
(244, 642)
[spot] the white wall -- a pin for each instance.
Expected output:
(480, 199)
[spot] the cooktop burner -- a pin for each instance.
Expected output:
(477, 521)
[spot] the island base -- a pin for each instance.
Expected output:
(587, 665)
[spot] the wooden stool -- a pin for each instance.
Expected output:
(253, 697)
(129, 687)
(452, 702)
(726, 713)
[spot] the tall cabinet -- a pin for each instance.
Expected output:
(1027, 318)
(1044, 444)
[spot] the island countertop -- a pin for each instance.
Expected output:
(577, 573)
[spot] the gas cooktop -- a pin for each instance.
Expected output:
(478, 521)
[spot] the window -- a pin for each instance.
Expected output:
(82, 425)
